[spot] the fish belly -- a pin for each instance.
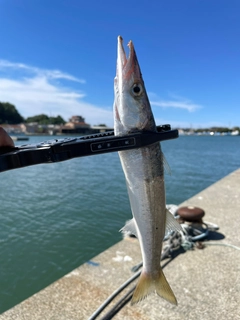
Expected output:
(144, 173)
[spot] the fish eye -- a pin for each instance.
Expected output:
(137, 89)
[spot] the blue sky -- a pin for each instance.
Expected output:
(59, 57)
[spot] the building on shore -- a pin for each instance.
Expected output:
(78, 125)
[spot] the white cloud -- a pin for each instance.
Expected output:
(182, 104)
(34, 91)
(189, 124)
(50, 74)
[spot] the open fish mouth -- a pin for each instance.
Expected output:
(127, 66)
(130, 93)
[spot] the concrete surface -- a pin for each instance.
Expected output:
(206, 282)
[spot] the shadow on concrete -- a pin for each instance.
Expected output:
(126, 298)
(214, 235)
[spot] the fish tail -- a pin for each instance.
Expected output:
(148, 284)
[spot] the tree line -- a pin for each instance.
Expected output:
(10, 115)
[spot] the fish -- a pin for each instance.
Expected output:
(144, 174)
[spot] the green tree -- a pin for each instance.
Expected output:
(44, 119)
(40, 119)
(57, 120)
(9, 114)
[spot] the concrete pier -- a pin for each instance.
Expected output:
(206, 282)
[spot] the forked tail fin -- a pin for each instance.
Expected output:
(148, 284)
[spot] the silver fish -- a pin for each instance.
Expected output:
(144, 173)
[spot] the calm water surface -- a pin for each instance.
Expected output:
(54, 217)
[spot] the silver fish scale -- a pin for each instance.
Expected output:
(143, 170)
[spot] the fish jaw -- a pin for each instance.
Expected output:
(132, 111)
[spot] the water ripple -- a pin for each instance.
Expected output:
(55, 217)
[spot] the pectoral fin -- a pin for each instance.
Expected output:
(166, 166)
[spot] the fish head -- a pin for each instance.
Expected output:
(132, 110)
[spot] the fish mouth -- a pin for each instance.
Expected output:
(130, 113)
(127, 66)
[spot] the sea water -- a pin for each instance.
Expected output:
(54, 217)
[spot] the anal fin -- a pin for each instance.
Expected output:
(130, 228)
(171, 224)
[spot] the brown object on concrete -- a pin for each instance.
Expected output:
(191, 214)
